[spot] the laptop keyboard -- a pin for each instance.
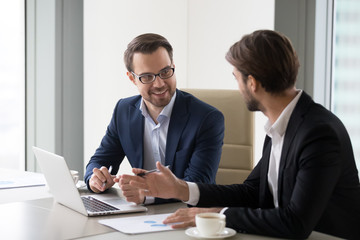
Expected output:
(95, 205)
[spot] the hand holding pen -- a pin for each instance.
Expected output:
(101, 179)
(142, 174)
(164, 184)
(104, 183)
(131, 193)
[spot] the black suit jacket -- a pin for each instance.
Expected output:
(318, 185)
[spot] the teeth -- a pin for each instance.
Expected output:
(159, 92)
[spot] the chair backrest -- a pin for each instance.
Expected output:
(237, 153)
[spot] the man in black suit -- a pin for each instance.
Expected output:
(306, 179)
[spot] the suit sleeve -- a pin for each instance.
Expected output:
(206, 155)
(110, 151)
(318, 155)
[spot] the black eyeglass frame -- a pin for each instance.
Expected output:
(154, 75)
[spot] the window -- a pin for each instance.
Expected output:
(12, 85)
(345, 101)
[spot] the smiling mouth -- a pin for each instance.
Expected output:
(160, 93)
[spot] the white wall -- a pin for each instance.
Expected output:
(213, 26)
(200, 31)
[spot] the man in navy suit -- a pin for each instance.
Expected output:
(306, 179)
(162, 124)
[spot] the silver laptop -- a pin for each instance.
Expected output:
(65, 192)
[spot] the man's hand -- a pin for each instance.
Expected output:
(185, 217)
(101, 180)
(162, 184)
(131, 194)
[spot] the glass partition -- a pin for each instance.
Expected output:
(345, 101)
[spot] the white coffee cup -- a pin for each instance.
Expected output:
(75, 175)
(210, 224)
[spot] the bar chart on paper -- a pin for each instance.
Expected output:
(139, 224)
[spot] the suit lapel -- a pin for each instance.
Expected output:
(294, 122)
(136, 129)
(266, 198)
(178, 120)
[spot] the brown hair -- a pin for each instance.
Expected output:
(146, 43)
(269, 57)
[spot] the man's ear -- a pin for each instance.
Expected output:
(131, 77)
(253, 84)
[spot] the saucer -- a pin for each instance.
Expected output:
(227, 232)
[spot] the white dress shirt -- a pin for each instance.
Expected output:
(277, 133)
(155, 137)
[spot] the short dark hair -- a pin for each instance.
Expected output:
(269, 57)
(146, 43)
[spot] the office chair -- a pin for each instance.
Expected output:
(237, 153)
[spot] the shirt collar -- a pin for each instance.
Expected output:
(280, 125)
(166, 112)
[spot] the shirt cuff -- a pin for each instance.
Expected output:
(149, 200)
(194, 194)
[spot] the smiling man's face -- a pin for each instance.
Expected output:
(158, 93)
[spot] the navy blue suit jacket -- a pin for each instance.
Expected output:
(318, 184)
(194, 141)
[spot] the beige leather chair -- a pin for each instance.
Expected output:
(237, 154)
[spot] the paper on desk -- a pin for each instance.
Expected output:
(139, 224)
(14, 179)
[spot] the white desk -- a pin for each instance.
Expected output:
(42, 218)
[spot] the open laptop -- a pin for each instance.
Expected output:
(65, 192)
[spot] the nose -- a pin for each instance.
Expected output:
(158, 82)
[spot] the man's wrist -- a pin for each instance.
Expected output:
(183, 191)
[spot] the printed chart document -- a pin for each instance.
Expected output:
(138, 224)
(14, 179)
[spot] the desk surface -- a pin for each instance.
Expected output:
(31, 213)
(45, 219)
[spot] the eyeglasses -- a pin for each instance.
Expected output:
(149, 77)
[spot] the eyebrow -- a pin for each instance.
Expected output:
(147, 73)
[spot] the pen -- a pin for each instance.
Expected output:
(110, 169)
(150, 171)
